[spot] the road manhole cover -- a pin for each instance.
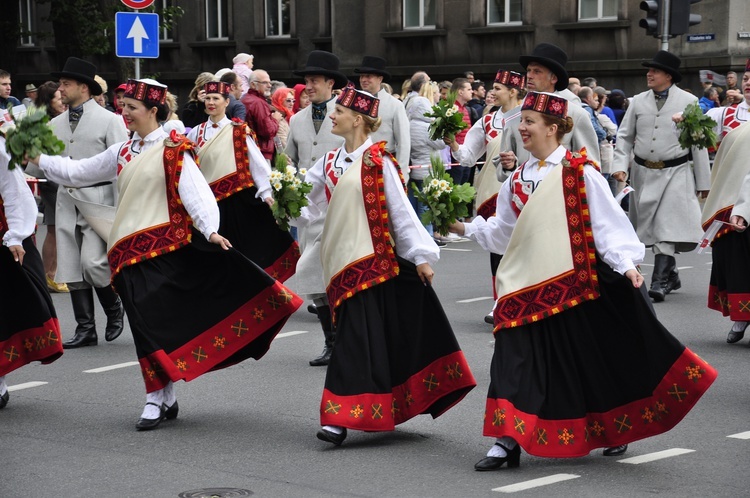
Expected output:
(215, 493)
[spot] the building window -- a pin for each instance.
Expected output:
(594, 10)
(504, 11)
(166, 34)
(419, 13)
(26, 17)
(278, 18)
(217, 20)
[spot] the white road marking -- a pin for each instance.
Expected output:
(650, 457)
(454, 249)
(474, 299)
(684, 267)
(535, 483)
(293, 332)
(741, 435)
(645, 264)
(111, 367)
(26, 385)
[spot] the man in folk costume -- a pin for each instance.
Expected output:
(395, 354)
(394, 127)
(310, 138)
(557, 383)
(29, 330)
(665, 176)
(485, 137)
(729, 199)
(545, 72)
(195, 305)
(87, 129)
(730, 117)
(238, 175)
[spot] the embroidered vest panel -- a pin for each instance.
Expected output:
(200, 141)
(559, 278)
(356, 250)
(224, 161)
(730, 120)
(520, 190)
(125, 155)
(150, 220)
(331, 173)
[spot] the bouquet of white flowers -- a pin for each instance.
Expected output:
(446, 201)
(289, 191)
(696, 129)
(448, 120)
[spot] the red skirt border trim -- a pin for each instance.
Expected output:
(735, 306)
(286, 265)
(680, 389)
(382, 412)
(212, 347)
(42, 343)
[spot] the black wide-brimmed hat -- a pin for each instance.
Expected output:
(373, 65)
(552, 57)
(667, 62)
(81, 71)
(323, 63)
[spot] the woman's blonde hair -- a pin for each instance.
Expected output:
(371, 124)
(201, 80)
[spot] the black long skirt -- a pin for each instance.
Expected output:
(395, 357)
(251, 228)
(200, 308)
(729, 286)
(600, 374)
(29, 330)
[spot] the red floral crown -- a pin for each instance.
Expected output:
(217, 87)
(147, 93)
(511, 79)
(359, 101)
(546, 103)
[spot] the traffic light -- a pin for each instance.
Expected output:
(680, 18)
(652, 22)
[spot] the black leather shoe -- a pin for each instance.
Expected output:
(331, 437)
(170, 412)
(146, 424)
(311, 308)
(490, 319)
(4, 399)
(615, 450)
(81, 339)
(513, 458)
(656, 292)
(323, 359)
(734, 336)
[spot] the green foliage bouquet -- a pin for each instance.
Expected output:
(696, 129)
(448, 119)
(289, 191)
(447, 202)
(31, 137)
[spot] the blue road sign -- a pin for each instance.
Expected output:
(137, 35)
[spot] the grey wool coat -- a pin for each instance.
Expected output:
(81, 253)
(664, 206)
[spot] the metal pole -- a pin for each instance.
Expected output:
(665, 24)
(137, 68)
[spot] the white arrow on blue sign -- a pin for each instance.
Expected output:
(136, 35)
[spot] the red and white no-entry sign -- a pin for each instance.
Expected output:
(138, 4)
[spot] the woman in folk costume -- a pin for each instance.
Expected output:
(395, 355)
(194, 304)
(485, 137)
(238, 176)
(581, 361)
(729, 202)
(29, 330)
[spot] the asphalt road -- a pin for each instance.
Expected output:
(252, 426)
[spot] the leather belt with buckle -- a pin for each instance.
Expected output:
(670, 163)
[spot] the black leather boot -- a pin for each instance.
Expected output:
(324, 315)
(83, 310)
(673, 276)
(659, 278)
(114, 310)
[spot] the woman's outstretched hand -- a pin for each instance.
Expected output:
(425, 273)
(635, 278)
(217, 239)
